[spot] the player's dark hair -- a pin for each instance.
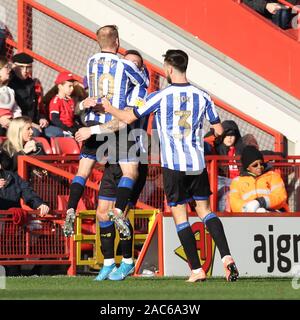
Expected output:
(136, 53)
(177, 59)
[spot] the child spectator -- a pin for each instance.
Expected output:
(8, 107)
(258, 188)
(19, 142)
(62, 106)
(228, 144)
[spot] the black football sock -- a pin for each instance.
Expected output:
(188, 242)
(216, 230)
(123, 193)
(76, 191)
(107, 237)
(126, 242)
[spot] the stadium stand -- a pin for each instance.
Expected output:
(60, 166)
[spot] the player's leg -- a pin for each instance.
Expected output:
(106, 202)
(139, 184)
(200, 189)
(126, 237)
(76, 191)
(127, 265)
(107, 239)
(126, 184)
(86, 164)
(177, 197)
(129, 166)
(124, 189)
(78, 184)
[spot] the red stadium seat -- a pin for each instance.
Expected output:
(44, 142)
(64, 145)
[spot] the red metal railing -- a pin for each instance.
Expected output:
(68, 171)
(41, 241)
(152, 197)
(38, 241)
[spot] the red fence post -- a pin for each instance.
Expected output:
(21, 19)
(72, 257)
(213, 177)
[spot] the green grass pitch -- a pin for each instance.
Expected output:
(157, 288)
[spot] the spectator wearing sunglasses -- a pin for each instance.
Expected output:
(258, 188)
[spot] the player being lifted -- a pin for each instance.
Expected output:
(179, 112)
(110, 182)
(109, 76)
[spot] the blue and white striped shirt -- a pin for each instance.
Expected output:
(136, 98)
(110, 76)
(179, 113)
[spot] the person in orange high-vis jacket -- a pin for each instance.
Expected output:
(258, 188)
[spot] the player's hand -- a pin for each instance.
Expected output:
(83, 134)
(44, 209)
(89, 102)
(43, 123)
(106, 104)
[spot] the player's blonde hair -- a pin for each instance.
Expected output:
(108, 36)
(14, 134)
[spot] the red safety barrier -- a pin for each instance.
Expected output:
(27, 239)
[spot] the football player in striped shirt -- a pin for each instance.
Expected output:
(109, 76)
(180, 110)
(115, 189)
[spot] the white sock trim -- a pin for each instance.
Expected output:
(108, 262)
(196, 271)
(127, 260)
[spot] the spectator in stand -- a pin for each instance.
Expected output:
(8, 107)
(13, 188)
(78, 94)
(280, 14)
(62, 106)
(19, 142)
(25, 91)
(250, 140)
(258, 188)
(229, 144)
